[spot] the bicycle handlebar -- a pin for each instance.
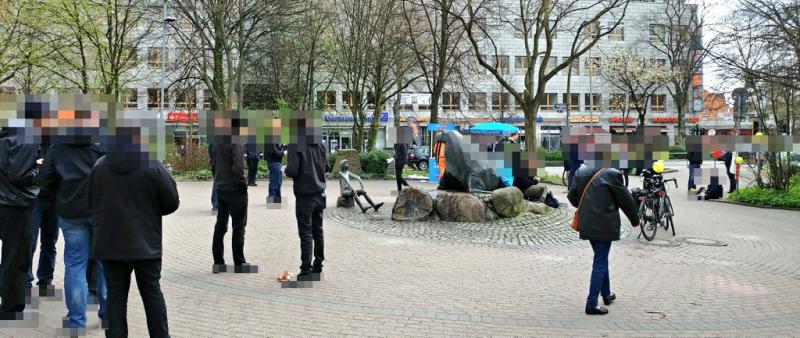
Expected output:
(673, 181)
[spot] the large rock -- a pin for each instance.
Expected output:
(460, 207)
(537, 208)
(507, 202)
(412, 204)
(351, 155)
(536, 193)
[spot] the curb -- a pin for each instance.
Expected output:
(727, 201)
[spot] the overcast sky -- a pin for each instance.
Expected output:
(717, 9)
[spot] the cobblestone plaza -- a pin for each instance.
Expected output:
(730, 271)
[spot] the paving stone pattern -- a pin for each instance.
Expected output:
(519, 277)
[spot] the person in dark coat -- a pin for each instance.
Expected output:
(45, 222)
(251, 154)
(695, 161)
(274, 157)
(18, 193)
(400, 160)
(306, 165)
(228, 169)
(728, 159)
(599, 223)
(213, 186)
(66, 171)
(129, 194)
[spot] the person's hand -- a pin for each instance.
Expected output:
(40, 161)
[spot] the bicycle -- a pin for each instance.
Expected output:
(655, 206)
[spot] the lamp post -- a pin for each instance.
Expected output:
(165, 20)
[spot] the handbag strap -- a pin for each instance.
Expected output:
(588, 185)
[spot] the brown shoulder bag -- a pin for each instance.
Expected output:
(575, 225)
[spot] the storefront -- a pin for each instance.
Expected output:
(337, 130)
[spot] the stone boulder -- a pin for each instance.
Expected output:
(412, 204)
(537, 208)
(507, 202)
(345, 202)
(460, 207)
(536, 193)
(351, 155)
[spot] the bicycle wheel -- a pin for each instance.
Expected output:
(669, 212)
(648, 223)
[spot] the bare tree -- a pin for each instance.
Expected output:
(10, 14)
(537, 22)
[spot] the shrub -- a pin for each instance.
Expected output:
(195, 159)
(677, 152)
(374, 162)
(769, 197)
(331, 160)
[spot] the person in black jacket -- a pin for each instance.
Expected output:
(228, 169)
(306, 165)
(45, 221)
(400, 159)
(213, 186)
(66, 170)
(695, 161)
(252, 163)
(274, 157)
(599, 222)
(728, 159)
(18, 191)
(129, 194)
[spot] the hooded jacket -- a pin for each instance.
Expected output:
(128, 196)
(306, 165)
(18, 171)
(66, 171)
(228, 167)
(598, 215)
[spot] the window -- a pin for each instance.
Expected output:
(520, 64)
(680, 34)
(132, 57)
(182, 57)
(370, 100)
(657, 32)
(592, 29)
(551, 63)
(326, 100)
(518, 28)
(502, 64)
(186, 98)
(616, 102)
(130, 98)
(451, 101)
(207, 97)
(407, 101)
(591, 102)
(658, 102)
(576, 66)
(154, 57)
(477, 102)
(592, 65)
(154, 97)
(424, 101)
(574, 105)
(501, 102)
(618, 34)
(347, 100)
(549, 103)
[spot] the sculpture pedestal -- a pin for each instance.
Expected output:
(345, 202)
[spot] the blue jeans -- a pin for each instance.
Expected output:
(77, 244)
(692, 167)
(600, 283)
(213, 195)
(44, 219)
(275, 179)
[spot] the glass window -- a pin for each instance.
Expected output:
(591, 102)
(521, 64)
(477, 102)
(657, 32)
(500, 102)
(154, 57)
(574, 105)
(502, 64)
(407, 101)
(592, 66)
(551, 63)
(451, 101)
(370, 100)
(347, 100)
(618, 34)
(185, 99)
(549, 103)
(154, 97)
(658, 102)
(326, 100)
(130, 98)
(616, 102)
(576, 66)
(592, 29)
(207, 97)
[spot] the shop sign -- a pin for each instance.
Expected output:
(384, 117)
(181, 117)
(693, 120)
(620, 119)
(665, 120)
(585, 119)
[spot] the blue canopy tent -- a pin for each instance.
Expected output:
(493, 128)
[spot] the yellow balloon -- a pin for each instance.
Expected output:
(759, 134)
(658, 167)
(739, 160)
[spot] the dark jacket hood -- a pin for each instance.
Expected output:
(124, 162)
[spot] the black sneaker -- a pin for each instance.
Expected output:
(217, 268)
(598, 310)
(304, 276)
(610, 299)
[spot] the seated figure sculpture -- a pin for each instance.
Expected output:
(349, 192)
(466, 171)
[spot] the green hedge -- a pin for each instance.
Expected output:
(374, 162)
(677, 152)
(769, 197)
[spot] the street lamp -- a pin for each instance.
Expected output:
(167, 20)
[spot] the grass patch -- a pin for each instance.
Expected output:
(769, 197)
(551, 179)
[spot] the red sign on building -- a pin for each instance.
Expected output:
(181, 117)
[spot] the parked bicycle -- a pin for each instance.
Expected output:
(655, 207)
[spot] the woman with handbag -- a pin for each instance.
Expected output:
(599, 194)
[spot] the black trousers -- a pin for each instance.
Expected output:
(16, 232)
(252, 170)
(308, 211)
(118, 280)
(732, 179)
(398, 173)
(233, 204)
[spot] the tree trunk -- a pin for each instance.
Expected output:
(530, 109)
(436, 95)
(380, 101)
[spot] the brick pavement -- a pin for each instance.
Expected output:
(405, 280)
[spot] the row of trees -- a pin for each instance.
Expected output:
(261, 53)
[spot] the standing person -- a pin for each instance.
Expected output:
(231, 185)
(213, 186)
(252, 164)
(400, 159)
(45, 221)
(274, 157)
(599, 194)
(306, 165)
(18, 191)
(129, 194)
(695, 161)
(729, 158)
(66, 171)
